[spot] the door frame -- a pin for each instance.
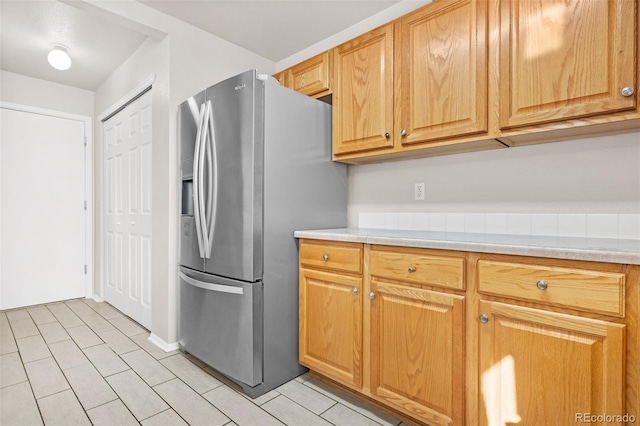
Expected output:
(116, 107)
(87, 121)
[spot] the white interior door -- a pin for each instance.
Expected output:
(42, 231)
(127, 210)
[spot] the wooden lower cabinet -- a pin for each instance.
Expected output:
(491, 351)
(545, 368)
(331, 325)
(417, 351)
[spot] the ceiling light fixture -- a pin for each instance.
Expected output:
(59, 58)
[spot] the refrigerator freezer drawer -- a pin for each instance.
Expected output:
(221, 323)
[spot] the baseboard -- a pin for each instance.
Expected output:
(96, 298)
(167, 347)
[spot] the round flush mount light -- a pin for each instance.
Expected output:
(59, 58)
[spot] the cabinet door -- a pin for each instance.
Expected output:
(282, 78)
(311, 77)
(442, 54)
(544, 368)
(331, 325)
(363, 92)
(563, 59)
(417, 351)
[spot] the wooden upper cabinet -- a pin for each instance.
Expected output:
(363, 92)
(282, 78)
(564, 59)
(312, 76)
(441, 63)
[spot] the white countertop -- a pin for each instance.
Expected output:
(575, 248)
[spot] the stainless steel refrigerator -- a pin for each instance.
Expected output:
(255, 166)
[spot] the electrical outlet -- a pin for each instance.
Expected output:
(418, 191)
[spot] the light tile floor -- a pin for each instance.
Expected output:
(80, 362)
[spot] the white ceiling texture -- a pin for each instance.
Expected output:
(274, 29)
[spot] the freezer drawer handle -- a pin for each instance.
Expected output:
(213, 287)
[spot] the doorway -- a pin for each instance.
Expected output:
(127, 209)
(45, 203)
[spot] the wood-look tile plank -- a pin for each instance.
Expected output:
(291, 413)
(89, 386)
(24, 328)
(19, 406)
(7, 341)
(118, 341)
(128, 327)
(32, 348)
(84, 336)
(168, 417)
(53, 332)
(189, 405)
(42, 315)
(105, 360)
(11, 370)
(309, 398)
(113, 413)
(46, 377)
(195, 377)
(147, 367)
(62, 408)
(68, 354)
(239, 409)
(139, 398)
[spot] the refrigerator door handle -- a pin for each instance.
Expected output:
(209, 286)
(197, 172)
(201, 195)
(213, 181)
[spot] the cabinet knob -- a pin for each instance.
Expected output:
(354, 291)
(387, 135)
(325, 257)
(411, 269)
(483, 318)
(627, 91)
(542, 285)
(403, 132)
(372, 295)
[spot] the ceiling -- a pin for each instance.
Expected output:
(28, 30)
(274, 29)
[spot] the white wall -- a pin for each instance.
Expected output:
(186, 61)
(593, 176)
(20, 89)
(596, 175)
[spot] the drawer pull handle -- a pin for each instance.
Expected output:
(372, 295)
(354, 291)
(483, 318)
(325, 257)
(542, 285)
(411, 269)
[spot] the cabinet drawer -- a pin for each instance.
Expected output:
(334, 256)
(418, 268)
(581, 289)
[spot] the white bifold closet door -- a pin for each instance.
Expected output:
(127, 210)
(42, 201)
